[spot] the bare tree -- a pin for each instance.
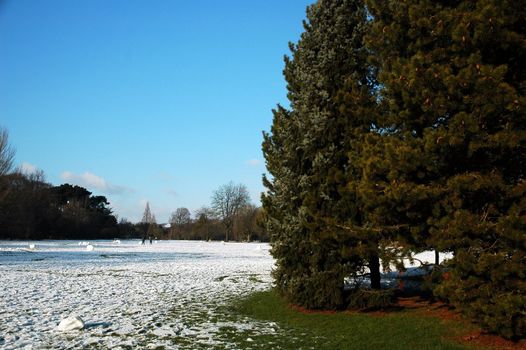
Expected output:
(245, 223)
(205, 221)
(7, 153)
(181, 216)
(227, 201)
(180, 221)
(204, 213)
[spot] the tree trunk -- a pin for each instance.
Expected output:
(437, 257)
(374, 266)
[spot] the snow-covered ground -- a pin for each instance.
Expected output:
(166, 295)
(169, 294)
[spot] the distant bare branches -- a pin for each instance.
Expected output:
(7, 153)
(227, 201)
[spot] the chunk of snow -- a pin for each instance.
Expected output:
(89, 248)
(250, 339)
(32, 246)
(70, 324)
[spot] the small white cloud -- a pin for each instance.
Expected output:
(28, 168)
(87, 179)
(92, 181)
(254, 162)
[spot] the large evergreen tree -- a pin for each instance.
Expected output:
(307, 156)
(452, 84)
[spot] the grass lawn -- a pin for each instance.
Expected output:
(405, 329)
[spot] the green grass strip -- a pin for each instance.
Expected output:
(344, 330)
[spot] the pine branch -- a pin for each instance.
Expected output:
(358, 229)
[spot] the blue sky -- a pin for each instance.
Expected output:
(159, 101)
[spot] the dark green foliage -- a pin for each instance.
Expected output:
(316, 289)
(421, 146)
(490, 289)
(33, 209)
(429, 283)
(371, 299)
(306, 155)
(453, 94)
(82, 215)
(25, 212)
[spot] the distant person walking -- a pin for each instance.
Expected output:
(150, 239)
(143, 240)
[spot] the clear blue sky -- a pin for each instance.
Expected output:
(152, 100)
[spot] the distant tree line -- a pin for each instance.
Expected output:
(406, 132)
(230, 217)
(30, 208)
(247, 226)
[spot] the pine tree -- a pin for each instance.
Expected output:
(147, 216)
(452, 86)
(307, 157)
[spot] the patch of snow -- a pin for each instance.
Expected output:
(427, 257)
(129, 295)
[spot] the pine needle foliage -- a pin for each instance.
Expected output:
(307, 156)
(406, 132)
(452, 76)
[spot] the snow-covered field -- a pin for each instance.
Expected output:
(165, 295)
(170, 294)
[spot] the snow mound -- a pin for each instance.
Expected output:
(89, 248)
(32, 246)
(70, 324)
